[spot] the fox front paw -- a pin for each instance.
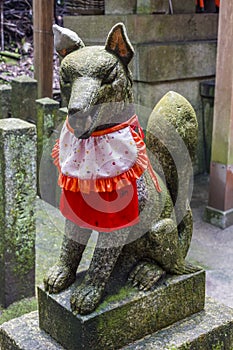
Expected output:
(184, 267)
(85, 299)
(145, 275)
(59, 278)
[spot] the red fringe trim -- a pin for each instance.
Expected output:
(55, 155)
(109, 184)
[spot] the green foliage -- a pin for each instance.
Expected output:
(18, 309)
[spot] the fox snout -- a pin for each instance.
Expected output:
(82, 108)
(81, 123)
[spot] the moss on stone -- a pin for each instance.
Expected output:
(18, 194)
(122, 294)
(20, 229)
(18, 309)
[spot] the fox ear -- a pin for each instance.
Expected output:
(66, 41)
(119, 44)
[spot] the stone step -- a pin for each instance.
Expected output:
(211, 328)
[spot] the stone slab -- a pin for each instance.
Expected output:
(23, 333)
(123, 7)
(140, 313)
(146, 28)
(187, 6)
(211, 328)
(174, 61)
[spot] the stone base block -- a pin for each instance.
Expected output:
(209, 329)
(124, 317)
(222, 219)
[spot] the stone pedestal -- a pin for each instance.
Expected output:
(17, 207)
(169, 317)
(123, 317)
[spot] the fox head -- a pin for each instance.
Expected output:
(95, 80)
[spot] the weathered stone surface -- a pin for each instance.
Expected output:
(208, 329)
(146, 28)
(17, 221)
(187, 6)
(23, 333)
(141, 313)
(211, 328)
(123, 7)
(151, 6)
(166, 129)
(5, 100)
(24, 95)
(155, 63)
(47, 121)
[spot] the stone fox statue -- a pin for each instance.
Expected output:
(108, 183)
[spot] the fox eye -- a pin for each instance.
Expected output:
(110, 76)
(109, 79)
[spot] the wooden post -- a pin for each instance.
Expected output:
(1, 25)
(43, 14)
(220, 206)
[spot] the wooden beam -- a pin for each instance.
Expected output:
(1, 24)
(43, 15)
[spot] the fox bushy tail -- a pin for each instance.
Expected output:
(171, 139)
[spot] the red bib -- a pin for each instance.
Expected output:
(108, 202)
